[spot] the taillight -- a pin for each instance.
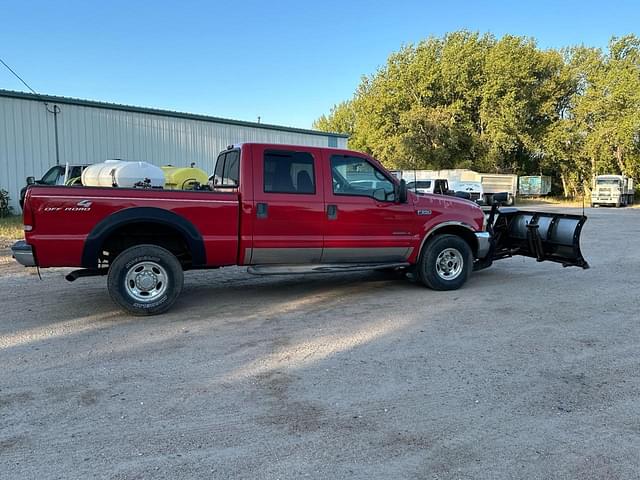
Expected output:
(27, 213)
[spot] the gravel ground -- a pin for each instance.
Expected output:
(530, 371)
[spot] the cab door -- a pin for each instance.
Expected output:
(288, 206)
(364, 223)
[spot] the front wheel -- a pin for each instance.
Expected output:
(145, 280)
(446, 263)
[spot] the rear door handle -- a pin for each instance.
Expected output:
(332, 212)
(262, 210)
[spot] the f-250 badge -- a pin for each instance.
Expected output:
(423, 212)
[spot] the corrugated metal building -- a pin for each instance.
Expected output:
(90, 132)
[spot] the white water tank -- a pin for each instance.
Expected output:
(92, 175)
(120, 173)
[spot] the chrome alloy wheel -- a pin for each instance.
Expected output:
(449, 264)
(146, 281)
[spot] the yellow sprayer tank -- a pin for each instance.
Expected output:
(183, 178)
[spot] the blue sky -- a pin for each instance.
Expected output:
(285, 61)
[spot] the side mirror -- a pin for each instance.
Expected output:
(31, 180)
(402, 192)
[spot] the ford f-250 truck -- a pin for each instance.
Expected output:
(278, 209)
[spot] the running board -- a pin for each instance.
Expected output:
(321, 268)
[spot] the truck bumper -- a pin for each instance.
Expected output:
(484, 244)
(23, 253)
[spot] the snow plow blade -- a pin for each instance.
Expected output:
(545, 236)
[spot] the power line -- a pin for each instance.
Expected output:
(18, 76)
(55, 111)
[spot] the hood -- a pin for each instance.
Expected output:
(449, 206)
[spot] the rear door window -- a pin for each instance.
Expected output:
(289, 172)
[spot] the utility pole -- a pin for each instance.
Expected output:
(55, 111)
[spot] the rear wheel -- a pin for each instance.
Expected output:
(145, 280)
(446, 263)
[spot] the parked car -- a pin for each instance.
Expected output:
(56, 175)
(437, 186)
(278, 209)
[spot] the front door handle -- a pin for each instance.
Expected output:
(332, 212)
(262, 210)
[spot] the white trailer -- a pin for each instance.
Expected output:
(492, 183)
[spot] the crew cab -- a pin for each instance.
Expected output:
(278, 209)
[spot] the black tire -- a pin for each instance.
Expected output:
(446, 245)
(145, 267)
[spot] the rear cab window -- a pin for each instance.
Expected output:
(227, 172)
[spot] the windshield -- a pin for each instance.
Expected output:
(52, 175)
(608, 181)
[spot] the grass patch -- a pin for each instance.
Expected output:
(11, 227)
(566, 202)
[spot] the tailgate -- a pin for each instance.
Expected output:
(545, 236)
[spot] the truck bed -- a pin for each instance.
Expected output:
(64, 218)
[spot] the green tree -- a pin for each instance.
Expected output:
(468, 100)
(341, 119)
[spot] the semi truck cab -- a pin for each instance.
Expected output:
(613, 190)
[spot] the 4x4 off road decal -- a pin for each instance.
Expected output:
(81, 206)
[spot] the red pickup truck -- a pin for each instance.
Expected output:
(278, 209)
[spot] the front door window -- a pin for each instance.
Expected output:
(354, 176)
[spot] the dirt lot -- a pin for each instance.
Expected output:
(530, 371)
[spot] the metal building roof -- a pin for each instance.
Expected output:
(157, 111)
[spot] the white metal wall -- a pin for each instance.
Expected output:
(90, 134)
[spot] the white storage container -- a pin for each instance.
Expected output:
(92, 174)
(119, 173)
